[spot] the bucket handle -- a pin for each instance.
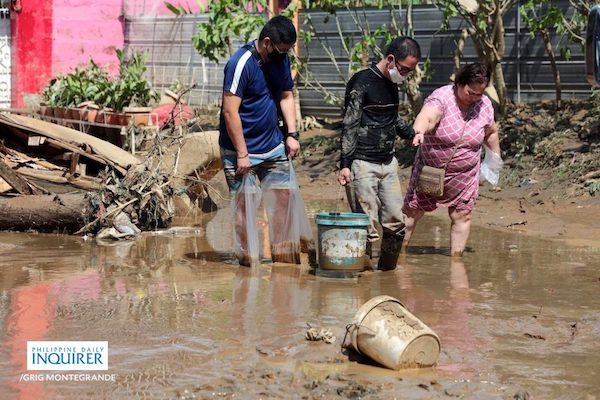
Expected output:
(353, 327)
(349, 327)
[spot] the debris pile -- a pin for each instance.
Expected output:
(54, 178)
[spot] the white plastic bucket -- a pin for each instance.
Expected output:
(388, 333)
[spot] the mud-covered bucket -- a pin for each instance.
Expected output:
(342, 240)
(388, 333)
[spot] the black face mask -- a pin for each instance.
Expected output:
(275, 55)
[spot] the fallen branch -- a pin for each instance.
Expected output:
(43, 213)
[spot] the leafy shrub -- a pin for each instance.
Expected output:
(93, 83)
(593, 187)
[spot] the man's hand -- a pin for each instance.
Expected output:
(243, 165)
(344, 176)
(293, 147)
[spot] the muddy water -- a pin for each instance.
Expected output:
(183, 321)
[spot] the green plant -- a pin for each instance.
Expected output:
(546, 16)
(92, 83)
(541, 16)
(228, 19)
(485, 26)
(593, 186)
(357, 52)
(80, 85)
(53, 93)
(131, 88)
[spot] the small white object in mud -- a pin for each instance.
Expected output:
(317, 334)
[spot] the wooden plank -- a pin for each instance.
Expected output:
(4, 187)
(102, 149)
(62, 145)
(85, 183)
(41, 162)
(13, 179)
(58, 175)
(73, 165)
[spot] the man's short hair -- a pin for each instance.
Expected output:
(279, 29)
(404, 46)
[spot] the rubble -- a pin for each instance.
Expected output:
(54, 178)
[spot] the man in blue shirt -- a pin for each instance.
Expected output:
(257, 87)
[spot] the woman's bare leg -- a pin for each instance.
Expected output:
(412, 217)
(459, 231)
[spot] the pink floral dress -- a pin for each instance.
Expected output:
(461, 185)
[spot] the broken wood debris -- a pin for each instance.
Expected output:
(69, 139)
(14, 180)
(88, 179)
(30, 167)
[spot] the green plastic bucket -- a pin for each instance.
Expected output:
(342, 240)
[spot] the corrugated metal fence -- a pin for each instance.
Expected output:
(526, 66)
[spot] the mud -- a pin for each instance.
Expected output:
(517, 316)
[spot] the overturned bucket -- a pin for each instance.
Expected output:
(385, 331)
(342, 239)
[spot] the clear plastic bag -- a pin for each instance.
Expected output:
(289, 228)
(245, 203)
(490, 167)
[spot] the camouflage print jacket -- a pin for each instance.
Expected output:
(371, 121)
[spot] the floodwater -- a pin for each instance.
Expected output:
(517, 318)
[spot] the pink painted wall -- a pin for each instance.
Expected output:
(85, 29)
(52, 37)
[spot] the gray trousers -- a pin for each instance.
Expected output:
(374, 189)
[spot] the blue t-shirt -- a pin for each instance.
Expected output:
(260, 89)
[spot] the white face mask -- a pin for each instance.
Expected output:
(396, 77)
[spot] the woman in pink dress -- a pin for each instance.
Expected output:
(455, 121)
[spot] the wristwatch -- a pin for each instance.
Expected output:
(294, 134)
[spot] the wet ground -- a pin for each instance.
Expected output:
(517, 317)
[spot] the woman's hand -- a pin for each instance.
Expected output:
(425, 122)
(492, 138)
(418, 139)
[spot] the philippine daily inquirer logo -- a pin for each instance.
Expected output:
(64, 356)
